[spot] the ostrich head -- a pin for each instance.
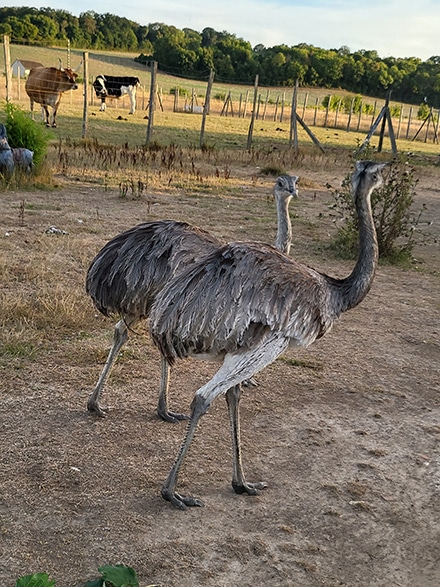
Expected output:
(366, 178)
(285, 187)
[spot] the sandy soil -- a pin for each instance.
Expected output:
(345, 433)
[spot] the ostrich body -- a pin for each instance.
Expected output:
(133, 267)
(246, 303)
(125, 278)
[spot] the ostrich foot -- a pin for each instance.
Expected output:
(94, 406)
(172, 416)
(180, 501)
(249, 488)
(250, 382)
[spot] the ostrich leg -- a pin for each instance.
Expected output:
(235, 368)
(120, 337)
(162, 406)
(239, 483)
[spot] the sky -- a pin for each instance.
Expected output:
(393, 28)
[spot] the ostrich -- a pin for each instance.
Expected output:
(6, 154)
(246, 303)
(128, 272)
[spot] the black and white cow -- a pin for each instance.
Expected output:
(111, 86)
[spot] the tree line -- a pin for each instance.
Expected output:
(193, 54)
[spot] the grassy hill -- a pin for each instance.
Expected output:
(115, 63)
(222, 131)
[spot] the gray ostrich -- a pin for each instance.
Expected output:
(6, 155)
(130, 270)
(246, 303)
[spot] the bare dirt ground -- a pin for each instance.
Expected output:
(345, 433)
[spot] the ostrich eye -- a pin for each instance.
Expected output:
(375, 176)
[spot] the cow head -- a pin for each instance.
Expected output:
(69, 77)
(99, 85)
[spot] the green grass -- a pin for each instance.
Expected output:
(225, 136)
(18, 349)
(120, 63)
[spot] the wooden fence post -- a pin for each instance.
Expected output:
(293, 138)
(245, 104)
(176, 99)
(283, 101)
(276, 108)
(306, 97)
(436, 128)
(409, 122)
(206, 106)
(427, 124)
(258, 106)
(265, 105)
(327, 109)
(374, 111)
(7, 68)
(316, 111)
(350, 114)
(338, 107)
(150, 124)
(384, 121)
(400, 120)
(85, 121)
(251, 126)
(360, 116)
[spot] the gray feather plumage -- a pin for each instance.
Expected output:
(129, 271)
(242, 290)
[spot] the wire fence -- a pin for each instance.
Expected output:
(167, 94)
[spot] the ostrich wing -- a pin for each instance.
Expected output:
(127, 273)
(234, 298)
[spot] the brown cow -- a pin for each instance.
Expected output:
(45, 85)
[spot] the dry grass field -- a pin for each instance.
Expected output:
(273, 119)
(345, 433)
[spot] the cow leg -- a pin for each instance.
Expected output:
(54, 115)
(132, 96)
(102, 109)
(46, 115)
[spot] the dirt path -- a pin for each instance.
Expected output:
(346, 433)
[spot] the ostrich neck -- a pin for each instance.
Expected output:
(284, 232)
(353, 289)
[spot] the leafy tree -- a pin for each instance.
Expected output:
(192, 53)
(47, 27)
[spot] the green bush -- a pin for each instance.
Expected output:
(423, 111)
(24, 132)
(182, 91)
(394, 220)
(112, 575)
(344, 103)
(395, 111)
(36, 580)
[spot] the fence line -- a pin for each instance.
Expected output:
(269, 104)
(313, 115)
